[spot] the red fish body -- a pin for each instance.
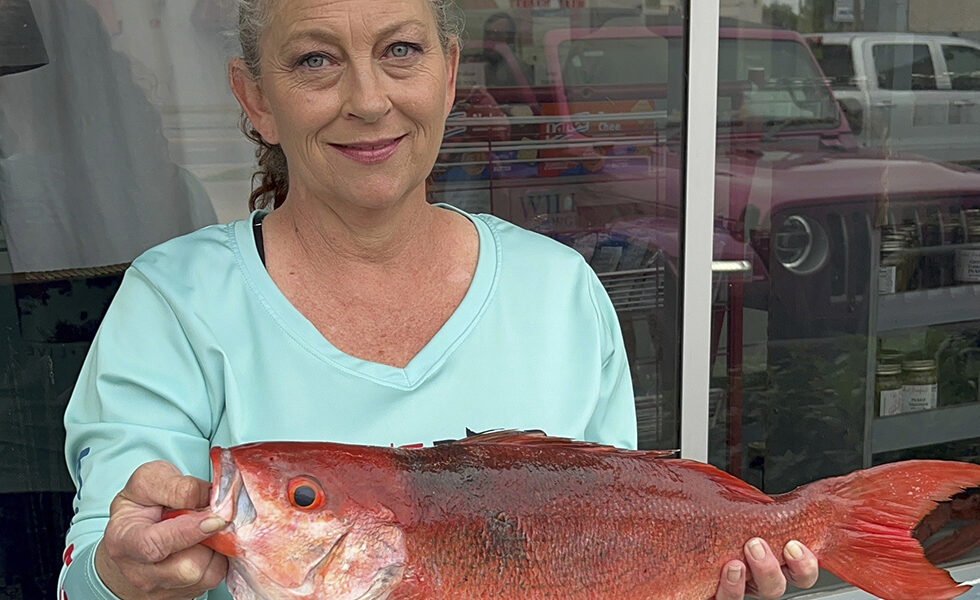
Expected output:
(523, 517)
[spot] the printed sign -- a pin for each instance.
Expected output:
(843, 11)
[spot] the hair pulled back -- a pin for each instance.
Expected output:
(254, 16)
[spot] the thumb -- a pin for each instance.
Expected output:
(156, 542)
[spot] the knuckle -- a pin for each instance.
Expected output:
(151, 549)
(188, 572)
(774, 589)
(185, 489)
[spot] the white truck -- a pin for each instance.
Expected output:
(906, 93)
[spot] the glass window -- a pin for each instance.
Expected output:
(851, 340)
(836, 62)
(962, 66)
(118, 131)
(568, 122)
(904, 67)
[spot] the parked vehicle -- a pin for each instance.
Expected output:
(907, 93)
(591, 154)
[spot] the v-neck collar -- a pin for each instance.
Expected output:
(428, 359)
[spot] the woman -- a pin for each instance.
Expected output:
(354, 312)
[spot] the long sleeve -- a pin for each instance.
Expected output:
(141, 396)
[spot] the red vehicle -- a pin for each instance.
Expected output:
(594, 158)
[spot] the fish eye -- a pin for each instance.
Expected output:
(306, 493)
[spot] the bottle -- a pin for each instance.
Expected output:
(888, 389)
(920, 385)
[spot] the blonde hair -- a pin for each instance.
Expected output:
(273, 173)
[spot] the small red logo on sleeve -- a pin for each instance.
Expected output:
(67, 557)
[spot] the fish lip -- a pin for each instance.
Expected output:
(227, 486)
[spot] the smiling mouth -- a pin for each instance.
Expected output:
(370, 152)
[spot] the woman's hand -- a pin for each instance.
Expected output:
(141, 556)
(764, 578)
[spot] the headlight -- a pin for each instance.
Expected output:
(800, 244)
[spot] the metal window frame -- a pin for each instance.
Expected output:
(699, 203)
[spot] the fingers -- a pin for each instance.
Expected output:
(142, 539)
(766, 578)
(801, 567)
(185, 574)
(196, 568)
(732, 584)
(160, 483)
(143, 556)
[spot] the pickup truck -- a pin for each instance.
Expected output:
(591, 154)
(907, 93)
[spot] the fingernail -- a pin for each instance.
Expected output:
(756, 549)
(734, 573)
(212, 524)
(793, 550)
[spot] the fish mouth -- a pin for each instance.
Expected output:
(229, 500)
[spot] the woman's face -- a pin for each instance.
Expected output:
(357, 93)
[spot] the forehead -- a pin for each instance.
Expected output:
(345, 19)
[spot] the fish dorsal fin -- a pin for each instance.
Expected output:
(732, 485)
(512, 437)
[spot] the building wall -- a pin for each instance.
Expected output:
(944, 15)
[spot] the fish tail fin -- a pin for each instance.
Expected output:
(874, 548)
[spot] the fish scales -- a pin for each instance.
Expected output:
(508, 511)
(517, 516)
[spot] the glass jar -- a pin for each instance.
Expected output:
(968, 259)
(891, 271)
(920, 385)
(888, 389)
(894, 357)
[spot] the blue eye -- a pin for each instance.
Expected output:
(314, 61)
(402, 49)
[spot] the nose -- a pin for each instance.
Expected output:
(367, 98)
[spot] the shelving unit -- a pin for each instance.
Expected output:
(924, 428)
(938, 306)
(906, 310)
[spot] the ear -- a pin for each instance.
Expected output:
(452, 69)
(253, 100)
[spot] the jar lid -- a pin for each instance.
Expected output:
(888, 368)
(919, 365)
(891, 356)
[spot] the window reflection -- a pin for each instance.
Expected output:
(856, 342)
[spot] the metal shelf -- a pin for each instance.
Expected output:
(928, 307)
(925, 428)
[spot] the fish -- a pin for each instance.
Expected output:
(512, 515)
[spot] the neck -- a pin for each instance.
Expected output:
(334, 235)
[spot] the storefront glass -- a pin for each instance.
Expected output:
(846, 151)
(559, 128)
(845, 325)
(118, 131)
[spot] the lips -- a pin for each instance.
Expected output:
(370, 152)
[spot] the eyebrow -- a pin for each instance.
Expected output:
(325, 35)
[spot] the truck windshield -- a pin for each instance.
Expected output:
(770, 83)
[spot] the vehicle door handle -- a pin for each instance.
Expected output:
(883, 104)
(963, 103)
(731, 267)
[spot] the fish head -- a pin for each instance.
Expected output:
(302, 526)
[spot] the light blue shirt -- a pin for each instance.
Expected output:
(200, 348)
